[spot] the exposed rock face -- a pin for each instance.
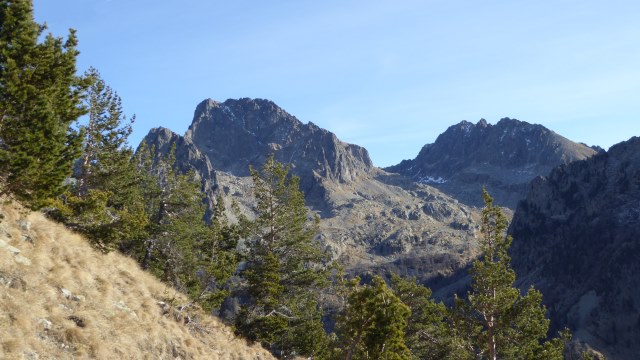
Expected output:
(370, 220)
(188, 157)
(386, 222)
(504, 157)
(576, 239)
(238, 133)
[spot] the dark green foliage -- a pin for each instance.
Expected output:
(284, 270)
(217, 258)
(105, 200)
(173, 202)
(372, 324)
(40, 99)
(499, 321)
(429, 333)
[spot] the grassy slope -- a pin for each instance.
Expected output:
(61, 299)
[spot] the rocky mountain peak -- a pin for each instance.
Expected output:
(503, 157)
(236, 134)
(371, 220)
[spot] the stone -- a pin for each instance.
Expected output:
(46, 324)
(22, 260)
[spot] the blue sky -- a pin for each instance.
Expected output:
(387, 75)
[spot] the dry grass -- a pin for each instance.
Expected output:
(73, 302)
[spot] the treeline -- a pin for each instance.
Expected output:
(266, 276)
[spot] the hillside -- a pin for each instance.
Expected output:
(503, 157)
(576, 239)
(60, 299)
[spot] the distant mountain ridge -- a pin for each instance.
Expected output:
(576, 239)
(503, 157)
(369, 219)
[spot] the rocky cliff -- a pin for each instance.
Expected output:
(370, 220)
(576, 239)
(188, 158)
(503, 157)
(240, 133)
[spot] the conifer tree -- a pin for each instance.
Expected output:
(284, 268)
(218, 258)
(40, 99)
(105, 201)
(173, 202)
(429, 333)
(372, 325)
(501, 322)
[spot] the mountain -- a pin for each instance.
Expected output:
(503, 157)
(240, 133)
(370, 220)
(61, 299)
(576, 239)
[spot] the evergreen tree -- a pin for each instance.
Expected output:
(105, 202)
(372, 325)
(40, 99)
(284, 268)
(429, 333)
(500, 322)
(176, 211)
(218, 258)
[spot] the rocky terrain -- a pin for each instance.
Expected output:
(503, 157)
(370, 219)
(240, 133)
(576, 239)
(419, 218)
(188, 157)
(61, 299)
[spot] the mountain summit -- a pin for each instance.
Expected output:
(503, 157)
(238, 133)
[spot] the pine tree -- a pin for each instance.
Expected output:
(429, 333)
(284, 268)
(218, 258)
(176, 211)
(40, 99)
(500, 322)
(105, 201)
(372, 325)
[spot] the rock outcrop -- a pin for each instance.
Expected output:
(504, 158)
(240, 133)
(188, 158)
(576, 239)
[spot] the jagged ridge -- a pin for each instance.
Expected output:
(503, 157)
(238, 133)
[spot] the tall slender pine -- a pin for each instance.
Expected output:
(40, 99)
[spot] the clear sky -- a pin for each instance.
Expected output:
(387, 75)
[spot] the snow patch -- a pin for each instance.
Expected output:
(432, 180)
